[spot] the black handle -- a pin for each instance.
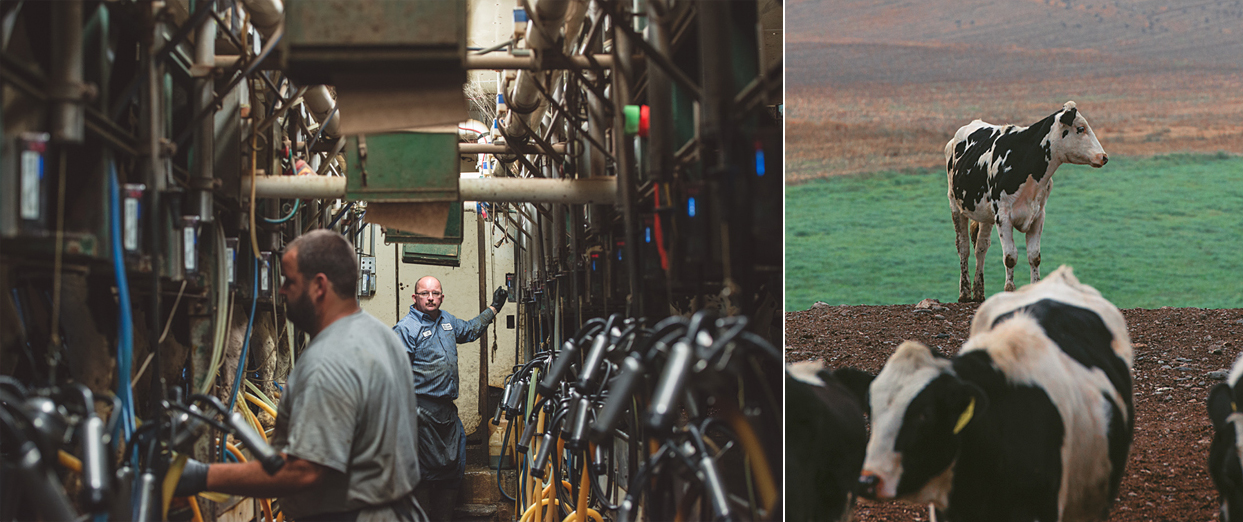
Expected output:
(668, 391)
(96, 485)
(271, 460)
(541, 457)
(579, 415)
(620, 390)
(524, 442)
(592, 363)
(548, 386)
(496, 417)
(42, 484)
(513, 407)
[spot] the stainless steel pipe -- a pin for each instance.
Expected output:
(602, 190)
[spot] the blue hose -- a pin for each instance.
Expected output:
(340, 215)
(241, 361)
(125, 326)
(296, 203)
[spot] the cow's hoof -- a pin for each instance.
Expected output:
(1009, 287)
(964, 298)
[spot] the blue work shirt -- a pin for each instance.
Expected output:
(432, 346)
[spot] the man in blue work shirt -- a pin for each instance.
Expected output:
(431, 336)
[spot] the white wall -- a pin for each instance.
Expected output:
(395, 287)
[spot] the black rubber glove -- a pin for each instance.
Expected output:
(498, 298)
(193, 479)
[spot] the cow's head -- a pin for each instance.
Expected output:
(1073, 141)
(1225, 456)
(919, 409)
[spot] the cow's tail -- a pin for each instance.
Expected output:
(973, 231)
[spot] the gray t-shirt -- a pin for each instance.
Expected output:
(350, 406)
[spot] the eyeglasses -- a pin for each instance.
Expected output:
(426, 294)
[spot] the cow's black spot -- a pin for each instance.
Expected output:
(970, 178)
(1223, 459)
(1011, 464)
(926, 439)
(1064, 133)
(1119, 437)
(1083, 336)
(1022, 151)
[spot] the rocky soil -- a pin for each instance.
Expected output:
(1180, 354)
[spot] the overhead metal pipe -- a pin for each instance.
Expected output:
(504, 61)
(505, 148)
(324, 108)
(204, 139)
(69, 113)
(600, 191)
(265, 15)
(526, 108)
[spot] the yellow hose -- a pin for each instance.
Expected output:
(591, 513)
(236, 452)
(69, 461)
(526, 517)
(194, 506)
(584, 488)
(171, 478)
(755, 451)
(259, 402)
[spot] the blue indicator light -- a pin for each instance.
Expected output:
(648, 234)
(619, 255)
(593, 266)
(759, 162)
(690, 207)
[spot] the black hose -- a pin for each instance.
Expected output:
(505, 444)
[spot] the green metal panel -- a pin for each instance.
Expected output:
(431, 254)
(334, 36)
(453, 231)
(404, 167)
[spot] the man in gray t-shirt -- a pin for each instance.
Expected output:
(348, 421)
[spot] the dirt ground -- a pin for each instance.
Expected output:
(1176, 351)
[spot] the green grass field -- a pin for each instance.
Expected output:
(1146, 232)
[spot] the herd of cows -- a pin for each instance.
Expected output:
(1032, 420)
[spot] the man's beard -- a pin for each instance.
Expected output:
(301, 312)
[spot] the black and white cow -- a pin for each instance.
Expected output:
(1031, 421)
(1002, 175)
(826, 438)
(1226, 451)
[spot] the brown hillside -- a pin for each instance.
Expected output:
(883, 85)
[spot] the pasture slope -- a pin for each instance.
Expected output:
(1147, 232)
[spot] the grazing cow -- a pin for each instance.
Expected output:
(1224, 454)
(824, 421)
(1032, 420)
(1002, 174)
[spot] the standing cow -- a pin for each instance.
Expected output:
(1002, 174)
(1031, 421)
(1225, 454)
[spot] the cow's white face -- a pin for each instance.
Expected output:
(918, 408)
(1073, 141)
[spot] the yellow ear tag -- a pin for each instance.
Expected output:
(965, 417)
(1233, 408)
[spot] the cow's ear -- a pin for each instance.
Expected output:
(857, 381)
(1068, 117)
(1220, 404)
